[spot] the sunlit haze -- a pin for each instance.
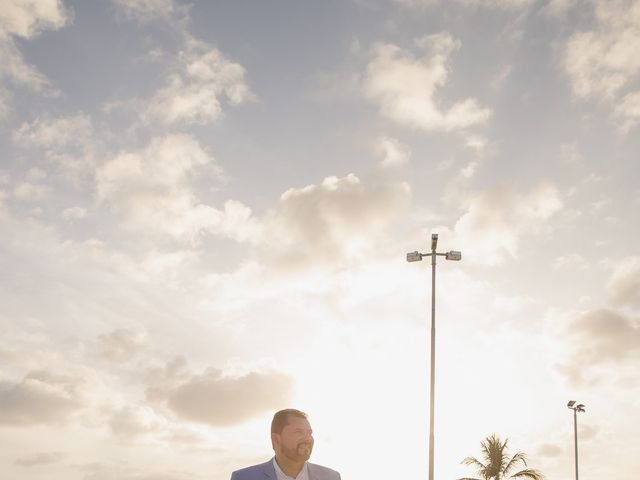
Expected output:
(206, 207)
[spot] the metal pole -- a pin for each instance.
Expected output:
(433, 361)
(575, 436)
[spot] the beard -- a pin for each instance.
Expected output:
(301, 453)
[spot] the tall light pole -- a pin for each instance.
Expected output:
(417, 257)
(576, 408)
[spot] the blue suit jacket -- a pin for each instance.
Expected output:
(265, 471)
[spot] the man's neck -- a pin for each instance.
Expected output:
(290, 469)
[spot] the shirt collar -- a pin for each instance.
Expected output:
(303, 475)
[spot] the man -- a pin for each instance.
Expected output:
(292, 441)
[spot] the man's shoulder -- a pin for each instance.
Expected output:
(321, 473)
(252, 472)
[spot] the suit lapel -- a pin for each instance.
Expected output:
(268, 470)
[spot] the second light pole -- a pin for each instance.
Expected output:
(576, 408)
(417, 257)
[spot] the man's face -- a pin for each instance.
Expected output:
(296, 440)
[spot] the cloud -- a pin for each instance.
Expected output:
(101, 471)
(570, 153)
(145, 11)
(74, 213)
(25, 19)
(393, 153)
(405, 86)
(121, 344)
(151, 190)
(194, 92)
(570, 261)
(131, 421)
(30, 192)
(496, 219)
(40, 398)
(332, 222)
(558, 8)
(628, 111)
(549, 450)
(219, 400)
(601, 61)
(55, 133)
(40, 458)
(624, 285)
(499, 4)
(596, 339)
(69, 142)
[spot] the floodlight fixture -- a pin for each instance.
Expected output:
(414, 256)
(453, 255)
(571, 403)
(434, 241)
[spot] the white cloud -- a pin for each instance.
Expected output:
(5, 98)
(100, 471)
(25, 19)
(69, 142)
(30, 192)
(17, 70)
(499, 4)
(557, 8)
(40, 458)
(74, 213)
(405, 86)
(332, 222)
(624, 285)
(595, 341)
(496, 219)
(628, 111)
(60, 132)
(549, 450)
(220, 400)
(145, 11)
(195, 90)
(571, 260)
(121, 344)
(393, 153)
(151, 190)
(38, 399)
(134, 420)
(601, 61)
(476, 142)
(570, 153)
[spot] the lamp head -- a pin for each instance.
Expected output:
(571, 403)
(454, 255)
(414, 256)
(434, 241)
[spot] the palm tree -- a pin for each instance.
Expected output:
(497, 464)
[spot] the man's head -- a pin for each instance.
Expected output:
(291, 435)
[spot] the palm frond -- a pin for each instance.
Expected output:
(529, 473)
(498, 464)
(518, 457)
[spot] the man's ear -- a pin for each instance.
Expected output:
(274, 440)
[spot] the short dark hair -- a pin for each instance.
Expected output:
(281, 418)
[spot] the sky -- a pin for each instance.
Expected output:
(206, 207)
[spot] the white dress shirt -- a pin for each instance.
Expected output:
(303, 475)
